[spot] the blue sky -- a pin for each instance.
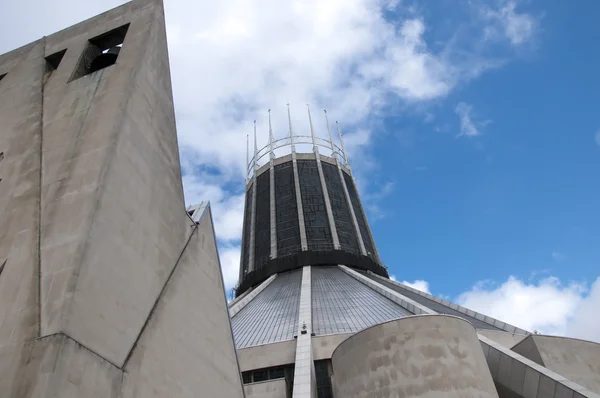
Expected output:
(502, 202)
(471, 127)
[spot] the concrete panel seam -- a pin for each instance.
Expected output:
(396, 297)
(158, 297)
(39, 200)
(80, 345)
(234, 309)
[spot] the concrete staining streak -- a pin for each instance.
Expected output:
(272, 315)
(341, 304)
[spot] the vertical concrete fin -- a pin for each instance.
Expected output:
(361, 243)
(272, 210)
(334, 235)
(301, 225)
(304, 378)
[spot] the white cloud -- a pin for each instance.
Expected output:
(233, 60)
(506, 22)
(227, 208)
(468, 127)
(230, 265)
(419, 285)
(548, 306)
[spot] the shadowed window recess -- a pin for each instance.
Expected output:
(101, 51)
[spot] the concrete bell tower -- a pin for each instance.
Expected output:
(108, 288)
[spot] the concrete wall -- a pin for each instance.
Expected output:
(186, 348)
(574, 359)
(419, 356)
(267, 355)
(98, 247)
(323, 346)
(505, 338)
(267, 389)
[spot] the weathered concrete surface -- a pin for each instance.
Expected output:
(507, 339)
(56, 366)
(94, 224)
(574, 359)
(323, 346)
(420, 356)
(20, 145)
(516, 376)
(110, 175)
(186, 349)
(267, 355)
(267, 389)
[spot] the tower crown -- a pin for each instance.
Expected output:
(302, 208)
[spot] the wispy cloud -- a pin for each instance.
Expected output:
(508, 23)
(468, 126)
(597, 137)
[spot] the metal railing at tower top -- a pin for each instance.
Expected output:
(294, 143)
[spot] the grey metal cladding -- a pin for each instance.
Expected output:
(360, 217)
(262, 237)
(271, 316)
(247, 226)
(341, 304)
(318, 232)
(434, 305)
(286, 210)
(340, 209)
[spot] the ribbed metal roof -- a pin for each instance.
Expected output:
(341, 304)
(434, 305)
(271, 316)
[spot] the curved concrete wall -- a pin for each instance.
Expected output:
(418, 356)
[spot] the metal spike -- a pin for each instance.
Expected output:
(329, 131)
(247, 160)
(271, 139)
(312, 132)
(343, 146)
(255, 148)
(291, 131)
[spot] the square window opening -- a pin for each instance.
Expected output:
(102, 51)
